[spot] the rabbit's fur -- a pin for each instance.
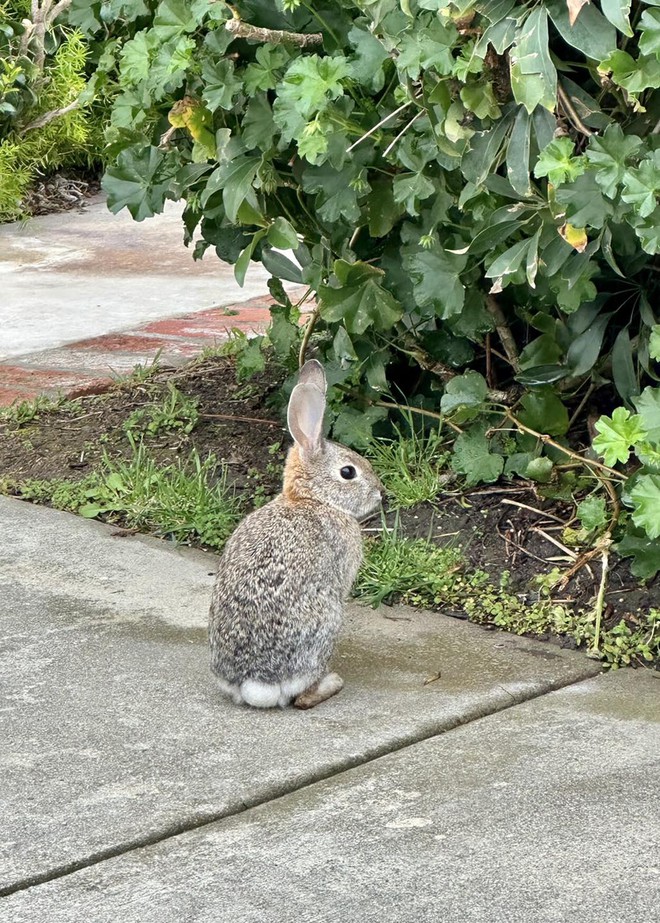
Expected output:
(278, 598)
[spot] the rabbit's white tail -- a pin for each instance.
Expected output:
(266, 695)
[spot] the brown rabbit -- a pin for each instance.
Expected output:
(286, 571)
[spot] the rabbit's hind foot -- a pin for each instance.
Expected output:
(330, 685)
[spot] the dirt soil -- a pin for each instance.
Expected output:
(508, 527)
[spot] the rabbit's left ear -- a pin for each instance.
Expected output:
(312, 373)
(305, 417)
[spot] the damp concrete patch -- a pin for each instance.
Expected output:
(544, 813)
(114, 734)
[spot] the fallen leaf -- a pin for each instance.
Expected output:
(574, 7)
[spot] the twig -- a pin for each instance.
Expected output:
(533, 509)
(311, 323)
(580, 407)
(556, 445)
(504, 332)
(273, 36)
(379, 125)
(231, 416)
(555, 542)
(48, 117)
(403, 131)
(600, 599)
(425, 413)
(575, 119)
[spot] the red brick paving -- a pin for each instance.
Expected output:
(90, 366)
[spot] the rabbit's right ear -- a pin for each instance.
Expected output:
(305, 416)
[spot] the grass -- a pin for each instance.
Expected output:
(187, 501)
(411, 467)
(419, 573)
(174, 413)
(24, 412)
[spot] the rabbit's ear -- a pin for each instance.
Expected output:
(312, 373)
(305, 416)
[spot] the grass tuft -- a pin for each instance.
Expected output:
(187, 501)
(411, 468)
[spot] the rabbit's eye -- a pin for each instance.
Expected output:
(348, 472)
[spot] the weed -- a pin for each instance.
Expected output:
(184, 501)
(420, 573)
(27, 411)
(176, 413)
(410, 467)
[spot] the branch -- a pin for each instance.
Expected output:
(504, 332)
(274, 36)
(48, 117)
(571, 111)
(590, 463)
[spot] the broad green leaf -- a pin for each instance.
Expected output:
(436, 280)
(370, 54)
(237, 177)
(592, 513)
(646, 498)
(648, 231)
(647, 405)
(649, 25)
(610, 153)
(480, 99)
(591, 33)
(473, 458)
(539, 469)
(586, 206)
(382, 211)
(556, 161)
(544, 412)
(623, 370)
(222, 85)
(633, 75)
(508, 262)
(654, 343)
(138, 182)
(308, 86)
(642, 185)
(517, 153)
(343, 348)
(644, 551)
(428, 44)
(337, 197)
(465, 391)
(282, 234)
(264, 73)
(135, 58)
(618, 13)
(280, 266)
(410, 188)
(258, 121)
(485, 146)
(533, 75)
(173, 17)
(584, 350)
(360, 301)
(243, 262)
(616, 434)
(354, 427)
(250, 360)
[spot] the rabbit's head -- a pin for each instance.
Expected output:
(317, 469)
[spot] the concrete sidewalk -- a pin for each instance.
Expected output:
(88, 295)
(131, 790)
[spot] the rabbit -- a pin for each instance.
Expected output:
(284, 574)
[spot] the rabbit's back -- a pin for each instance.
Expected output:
(278, 599)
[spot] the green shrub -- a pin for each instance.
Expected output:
(470, 186)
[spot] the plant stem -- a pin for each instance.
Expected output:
(504, 332)
(425, 413)
(600, 599)
(273, 36)
(311, 323)
(571, 454)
